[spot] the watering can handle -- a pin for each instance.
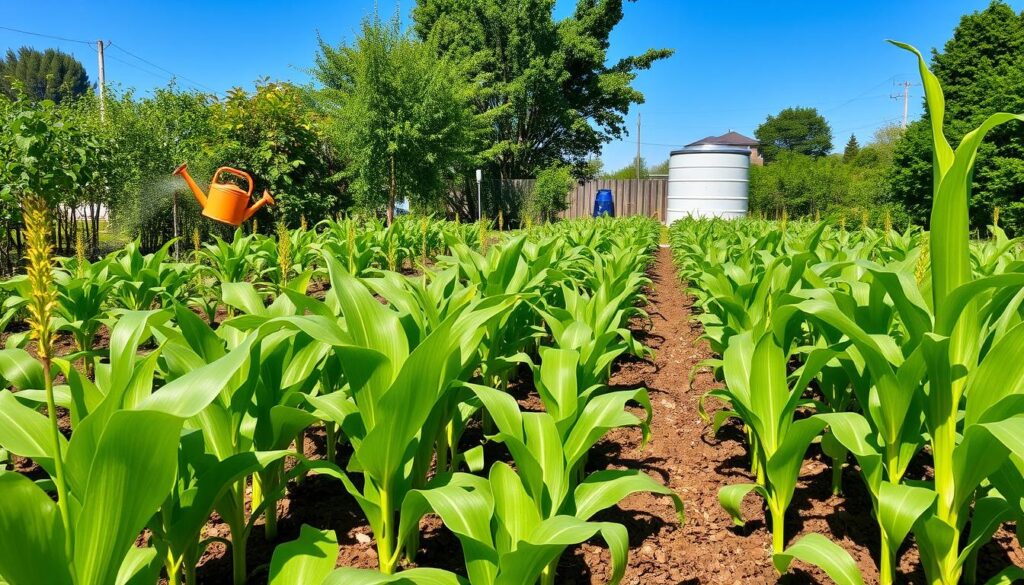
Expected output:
(235, 172)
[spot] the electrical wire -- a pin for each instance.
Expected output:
(35, 34)
(167, 71)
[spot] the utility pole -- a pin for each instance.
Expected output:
(638, 146)
(99, 54)
(906, 99)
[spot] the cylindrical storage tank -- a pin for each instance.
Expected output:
(708, 180)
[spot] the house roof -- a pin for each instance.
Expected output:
(730, 138)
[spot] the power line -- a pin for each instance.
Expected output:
(35, 34)
(168, 71)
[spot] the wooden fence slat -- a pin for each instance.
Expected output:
(631, 196)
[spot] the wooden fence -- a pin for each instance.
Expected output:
(632, 197)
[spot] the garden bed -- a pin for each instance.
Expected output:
(682, 453)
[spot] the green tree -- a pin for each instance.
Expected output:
(546, 87)
(982, 72)
(398, 111)
(798, 130)
(275, 135)
(47, 75)
(852, 149)
(550, 194)
(629, 171)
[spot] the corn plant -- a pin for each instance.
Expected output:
(82, 298)
(113, 474)
(397, 394)
(965, 454)
(146, 280)
(550, 448)
(310, 559)
(505, 541)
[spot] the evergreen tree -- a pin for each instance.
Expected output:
(48, 75)
(852, 149)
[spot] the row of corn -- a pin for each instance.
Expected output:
(218, 364)
(898, 353)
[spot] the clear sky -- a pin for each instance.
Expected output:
(736, 62)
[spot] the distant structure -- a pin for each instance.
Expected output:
(736, 140)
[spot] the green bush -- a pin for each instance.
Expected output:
(550, 194)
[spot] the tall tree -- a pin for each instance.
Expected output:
(543, 85)
(982, 72)
(47, 75)
(399, 111)
(797, 130)
(852, 149)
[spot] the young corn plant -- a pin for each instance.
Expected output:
(971, 400)
(397, 395)
(310, 559)
(550, 448)
(114, 473)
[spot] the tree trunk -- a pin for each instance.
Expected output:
(391, 193)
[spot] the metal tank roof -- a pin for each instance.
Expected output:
(712, 148)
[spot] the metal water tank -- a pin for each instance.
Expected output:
(708, 180)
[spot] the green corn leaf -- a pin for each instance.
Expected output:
(243, 296)
(604, 489)
(29, 513)
(467, 514)
(989, 514)
(26, 432)
(188, 395)
(1000, 374)
(141, 566)
(135, 463)
(19, 369)
(418, 576)
(601, 414)
(821, 552)
(899, 508)
(783, 467)
(731, 498)
(549, 540)
(1007, 576)
(516, 514)
(307, 559)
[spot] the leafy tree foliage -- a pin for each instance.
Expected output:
(982, 72)
(544, 86)
(46, 152)
(399, 111)
(797, 130)
(47, 75)
(550, 194)
(275, 135)
(646, 170)
(852, 149)
(831, 186)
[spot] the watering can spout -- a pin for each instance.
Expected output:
(266, 199)
(182, 172)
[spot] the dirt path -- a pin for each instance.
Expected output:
(684, 455)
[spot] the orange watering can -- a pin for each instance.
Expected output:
(226, 202)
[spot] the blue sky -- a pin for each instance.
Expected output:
(735, 63)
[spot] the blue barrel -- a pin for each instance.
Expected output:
(603, 203)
